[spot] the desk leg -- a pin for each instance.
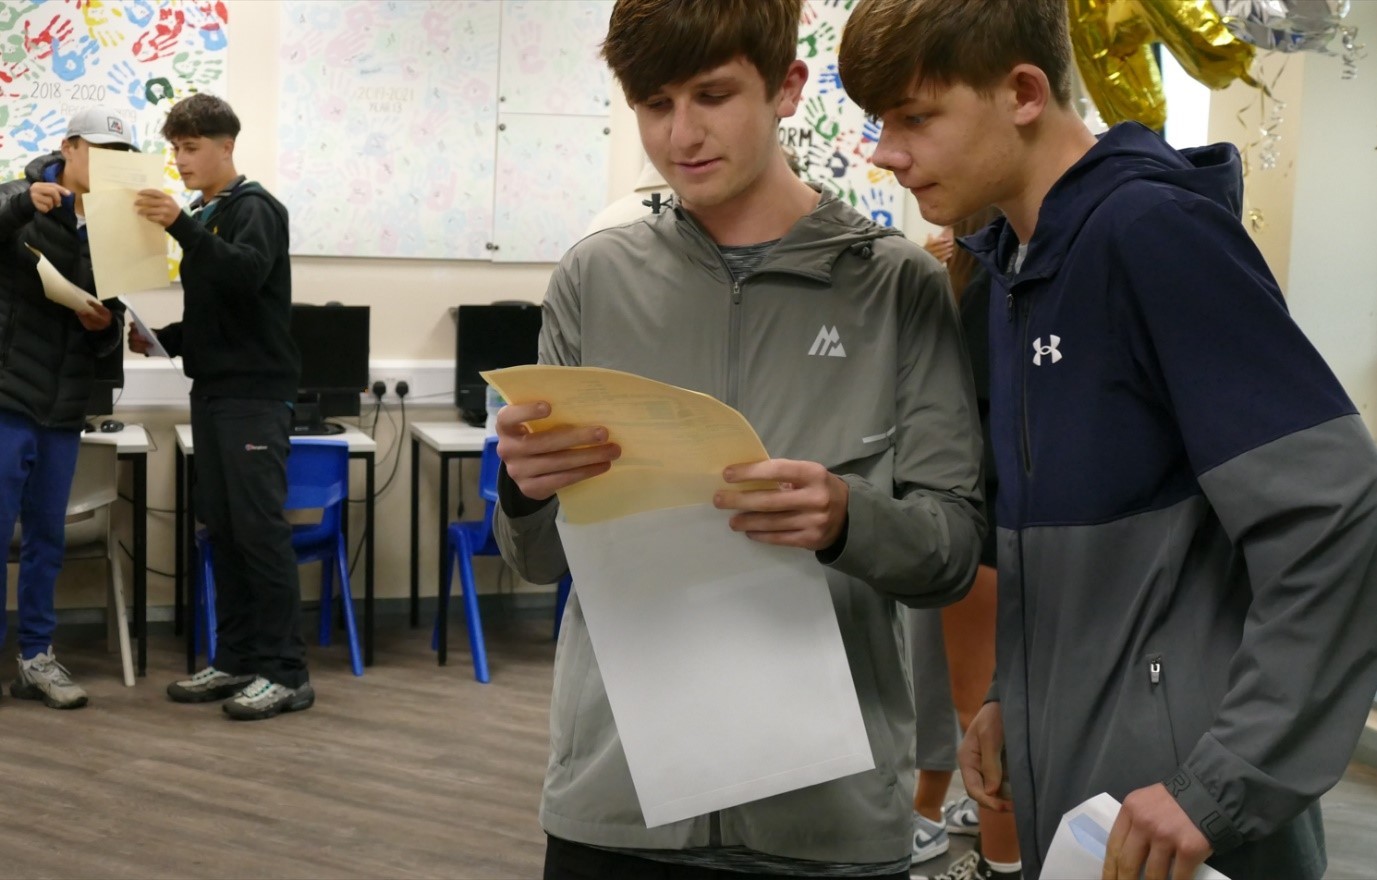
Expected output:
(141, 558)
(369, 566)
(179, 545)
(189, 539)
(415, 535)
(443, 594)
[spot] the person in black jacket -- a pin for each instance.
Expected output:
(235, 345)
(47, 362)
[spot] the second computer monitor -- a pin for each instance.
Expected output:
(333, 343)
(490, 337)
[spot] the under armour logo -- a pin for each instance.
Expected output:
(1041, 351)
(828, 343)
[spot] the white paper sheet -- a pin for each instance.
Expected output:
(1078, 847)
(722, 660)
(57, 288)
(133, 319)
(128, 252)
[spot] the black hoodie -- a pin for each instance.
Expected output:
(235, 333)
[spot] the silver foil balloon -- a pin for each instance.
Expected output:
(1284, 25)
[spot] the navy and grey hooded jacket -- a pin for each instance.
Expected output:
(1187, 517)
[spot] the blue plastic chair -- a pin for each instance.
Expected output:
(317, 478)
(465, 540)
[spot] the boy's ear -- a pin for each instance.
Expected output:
(791, 90)
(1031, 93)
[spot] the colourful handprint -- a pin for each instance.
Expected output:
(41, 44)
(824, 39)
(193, 68)
(98, 15)
(815, 113)
(72, 64)
(160, 40)
(125, 80)
(31, 135)
(880, 206)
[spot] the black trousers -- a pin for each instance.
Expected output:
(565, 860)
(241, 484)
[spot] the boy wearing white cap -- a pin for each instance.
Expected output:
(47, 362)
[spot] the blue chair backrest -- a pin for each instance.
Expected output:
(318, 476)
(487, 471)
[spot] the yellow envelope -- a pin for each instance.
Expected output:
(675, 442)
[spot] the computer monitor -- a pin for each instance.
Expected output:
(333, 343)
(109, 376)
(489, 337)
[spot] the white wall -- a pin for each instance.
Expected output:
(1333, 271)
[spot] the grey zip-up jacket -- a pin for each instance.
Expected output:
(1187, 515)
(843, 347)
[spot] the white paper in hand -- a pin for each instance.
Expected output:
(57, 288)
(1078, 848)
(155, 347)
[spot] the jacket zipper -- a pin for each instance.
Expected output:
(1024, 317)
(734, 349)
(10, 328)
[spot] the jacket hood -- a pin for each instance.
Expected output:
(33, 172)
(1127, 152)
(811, 246)
(253, 189)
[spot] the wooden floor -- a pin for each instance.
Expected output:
(410, 771)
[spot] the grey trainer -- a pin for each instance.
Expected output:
(43, 678)
(208, 685)
(264, 699)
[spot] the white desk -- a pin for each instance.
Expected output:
(132, 445)
(450, 440)
(361, 446)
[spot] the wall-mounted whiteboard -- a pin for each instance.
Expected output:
(389, 139)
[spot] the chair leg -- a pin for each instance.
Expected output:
(439, 639)
(208, 604)
(561, 599)
(346, 598)
(475, 623)
(118, 614)
(326, 600)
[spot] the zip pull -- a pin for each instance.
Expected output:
(736, 293)
(1155, 671)
(1009, 301)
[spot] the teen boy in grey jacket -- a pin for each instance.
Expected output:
(842, 347)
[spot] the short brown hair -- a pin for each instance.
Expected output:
(652, 43)
(201, 115)
(887, 45)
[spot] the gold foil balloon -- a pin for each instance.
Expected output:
(1110, 39)
(1196, 35)
(1113, 40)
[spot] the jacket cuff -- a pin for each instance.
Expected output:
(1192, 796)
(514, 504)
(184, 229)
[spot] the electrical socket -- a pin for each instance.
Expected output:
(390, 380)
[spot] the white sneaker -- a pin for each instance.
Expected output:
(962, 816)
(264, 699)
(43, 678)
(930, 839)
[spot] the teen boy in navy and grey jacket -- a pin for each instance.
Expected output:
(1187, 515)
